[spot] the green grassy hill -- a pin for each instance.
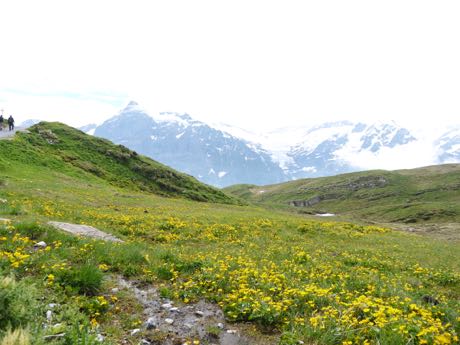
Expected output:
(52, 148)
(430, 194)
(278, 277)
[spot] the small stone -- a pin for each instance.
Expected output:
(135, 331)
(300, 342)
(430, 300)
(40, 244)
(52, 305)
(115, 290)
(100, 338)
(49, 315)
(166, 306)
(188, 325)
(231, 331)
(145, 342)
(174, 309)
(151, 323)
(220, 325)
(169, 321)
(54, 336)
(199, 313)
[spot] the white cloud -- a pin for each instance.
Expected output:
(256, 64)
(412, 155)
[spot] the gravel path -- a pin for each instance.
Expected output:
(6, 134)
(85, 230)
(178, 324)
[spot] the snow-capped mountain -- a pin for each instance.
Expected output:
(89, 129)
(29, 123)
(222, 155)
(331, 148)
(448, 146)
(191, 146)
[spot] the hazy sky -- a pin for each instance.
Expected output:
(255, 64)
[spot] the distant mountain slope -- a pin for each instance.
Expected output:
(424, 194)
(70, 151)
(449, 146)
(191, 146)
(223, 155)
(332, 148)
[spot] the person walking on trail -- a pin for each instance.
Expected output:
(11, 123)
(1, 122)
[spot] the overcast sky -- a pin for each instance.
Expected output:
(254, 64)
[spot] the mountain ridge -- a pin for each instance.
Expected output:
(223, 155)
(427, 194)
(66, 149)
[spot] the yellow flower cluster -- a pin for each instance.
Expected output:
(15, 248)
(355, 303)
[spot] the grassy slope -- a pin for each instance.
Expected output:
(319, 282)
(57, 147)
(430, 194)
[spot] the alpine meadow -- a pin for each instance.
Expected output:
(240, 266)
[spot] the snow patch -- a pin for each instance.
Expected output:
(222, 174)
(180, 135)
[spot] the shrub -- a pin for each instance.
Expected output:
(16, 337)
(17, 304)
(32, 230)
(85, 279)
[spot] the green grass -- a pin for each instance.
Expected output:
(301, 280)
(423, 195)
(54, 146)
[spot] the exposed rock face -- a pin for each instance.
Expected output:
(362, 182)
(212, 156)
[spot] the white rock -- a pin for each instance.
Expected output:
(100, 338)
(188, 325)
(231, 331)
(151, 323)
(49, 315)
(135, 331)
(220, 325)
(145, 342)
(174, 309)
(52, 305)
(115, 290)
(166, 306)
(199, 313)
(40, 244)
(300, 342)
(169, 321)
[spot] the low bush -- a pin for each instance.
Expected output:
(17, 304)
(86, 279)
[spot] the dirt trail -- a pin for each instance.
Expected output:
(85, 230)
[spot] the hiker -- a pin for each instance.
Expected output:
(1, 122)
(11, 123)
